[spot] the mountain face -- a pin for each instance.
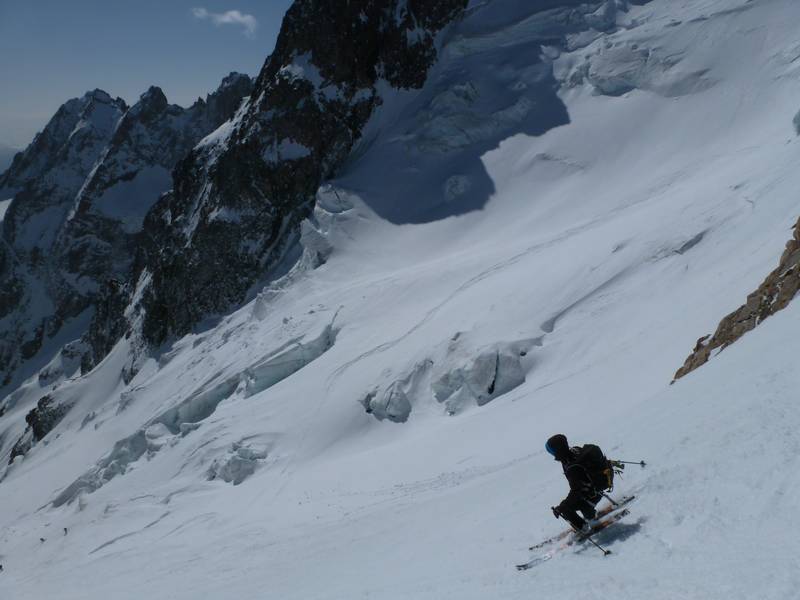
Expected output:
(79, 195)
(528, 243)
(71, 142)
(239, 197)
(120, 259)
(116, 258)
(42, 183)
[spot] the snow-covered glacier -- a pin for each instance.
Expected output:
(529, 243)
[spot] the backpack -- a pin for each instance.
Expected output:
(598, 467)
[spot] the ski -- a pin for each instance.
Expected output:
(604, 512)
(535, 561)
(598, 527)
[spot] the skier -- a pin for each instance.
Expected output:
(589, 474)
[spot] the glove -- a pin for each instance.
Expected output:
(556, 512)
(617, 465)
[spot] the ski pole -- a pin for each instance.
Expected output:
(641, 463)
(589, 537)
(610, 499)
(598, 546)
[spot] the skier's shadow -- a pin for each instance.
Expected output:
(619, 532)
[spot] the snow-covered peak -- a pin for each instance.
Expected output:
(99, 95)
(76, 199)
(93, 114)
(99, 114)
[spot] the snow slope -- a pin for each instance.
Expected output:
(4, 207)
(242, 462)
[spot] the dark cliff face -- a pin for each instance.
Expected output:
(101, 236)
(40, 421)
(43, 181)
(80, 192)
(238, 200)
(221, 105)
(776, 292)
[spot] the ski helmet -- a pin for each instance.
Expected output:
(558, 446)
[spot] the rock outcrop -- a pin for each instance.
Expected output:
(773, 295)
(40, 421)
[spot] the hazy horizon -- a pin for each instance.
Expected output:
(53, 51)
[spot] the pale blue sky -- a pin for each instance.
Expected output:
(53, 50)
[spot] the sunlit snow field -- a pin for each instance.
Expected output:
(603, 248)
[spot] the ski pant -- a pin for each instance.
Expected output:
(579, 500)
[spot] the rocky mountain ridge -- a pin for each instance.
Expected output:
(118, 260)
(126, 261)
(239, 197)
(78, 195)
